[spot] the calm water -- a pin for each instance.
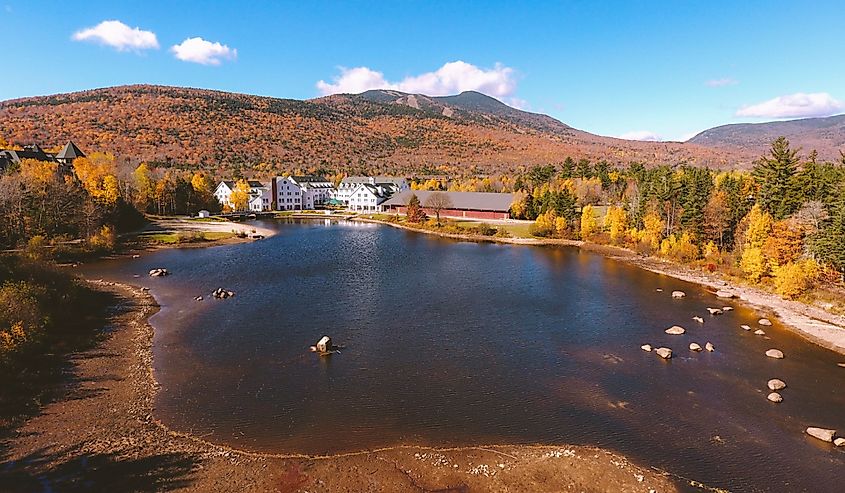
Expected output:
(452, 343)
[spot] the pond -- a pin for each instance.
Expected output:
(459, 343)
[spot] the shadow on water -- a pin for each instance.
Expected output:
(70, 470)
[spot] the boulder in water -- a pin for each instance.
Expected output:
(678, 294)
(159, 272)
(774, 353)
(694, 346)
(709, 346)
(675, 330)
(646, 347)
(198, 298)
(724, 293)
(715, 311)
(759, 332)
(839, 442)
(822, 434)
(698, 319)
(776, 384)
(745, 327)
(775, 397)
(727, 308)
(764, 321)
(324, 345)
(664, 352)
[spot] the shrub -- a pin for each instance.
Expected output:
(793, 279)
(103, 240)
(485, 229)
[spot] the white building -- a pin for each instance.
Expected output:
(349, 184)
(368, 197)
(316, 190)
(259, 195)
(288, 194)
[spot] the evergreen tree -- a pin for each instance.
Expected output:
(568, 168)
(778, 193)
(828, 245)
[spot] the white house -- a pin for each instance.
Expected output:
(259, 195)
(287, 193)
(368, 197)
(349, 184)
(316, 190)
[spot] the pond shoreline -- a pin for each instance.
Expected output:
(103, 430)
(812, 323)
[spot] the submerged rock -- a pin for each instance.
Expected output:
(678, 294)
(646, 347)
(775, 397)
(675, 330)
(694, 346)
(764, 321)
(774, 353)
(664, 352)
(822, 434)
(709, 346)
(776, 384)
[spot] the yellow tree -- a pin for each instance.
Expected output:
(758, 228)
(615, 222)
(588, 222)
(145, 186)
(240, 195)
(97, 173)
(653, 226)
(785, 243)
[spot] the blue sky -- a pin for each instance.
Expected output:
(636, 69)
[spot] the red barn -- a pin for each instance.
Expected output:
(474, 205)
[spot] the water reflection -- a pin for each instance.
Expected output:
(452, 343)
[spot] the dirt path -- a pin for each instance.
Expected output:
(102, 435)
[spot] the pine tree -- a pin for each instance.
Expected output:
(778, 193)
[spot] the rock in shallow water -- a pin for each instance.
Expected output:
(715, 311)
(774, 353)
(775, 397)
(776, 384)
(839, 442)
(723, 293)
(822, 434)
(709, 347)
(764, 321)
(664, 352)
(694, 346)
(678, 294)
(646, 347)
(759, 332)
(675, 330)
(698, 319)
(745, 327)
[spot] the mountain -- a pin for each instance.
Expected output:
(378, 131)
(825, 135)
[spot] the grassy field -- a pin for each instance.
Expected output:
(176, 238)
(517, 230)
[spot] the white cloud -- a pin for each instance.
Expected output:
(726, 81)
(198, 50)
(794, 106)
(451, 78)
(518, 103)
(119, 36)
(642, 135)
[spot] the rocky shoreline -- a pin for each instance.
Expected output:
(101, 434)
(812, 323)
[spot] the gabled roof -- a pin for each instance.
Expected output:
(70, 152)
(477, 201)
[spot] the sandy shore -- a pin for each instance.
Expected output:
(101, 435)
(813, 323)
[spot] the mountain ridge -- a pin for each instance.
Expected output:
(377, 130)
